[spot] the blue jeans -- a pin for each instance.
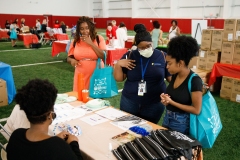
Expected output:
(177, 121)
(152, 112)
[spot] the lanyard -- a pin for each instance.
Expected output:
(145, 68)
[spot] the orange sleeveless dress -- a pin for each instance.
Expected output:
(83, 51)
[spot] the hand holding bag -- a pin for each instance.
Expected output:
(102, 82)
(206, 126)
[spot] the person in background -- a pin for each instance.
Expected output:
(122, 35)
(143, 71)
(84, 51)
(22, 22)
(44, 26)
(73, 30)
(114, 28)
(7, 24)
(17, 26)
(38, 26)
(178, 101)
(63, 26)
(56, 25)
(13, 33)
(37, 99)
(156, 33)
(109, 33)
(174, 30)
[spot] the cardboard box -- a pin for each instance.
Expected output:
(212, 58)
(226, 87)
(235, 95)
(217, 37)
(202, 63)
(229, 30)
(206, 39)
(202, 53)
(203, 74)
(237, 35)
(3, 93)
(236, 54)
(227, 52)
(193, 62)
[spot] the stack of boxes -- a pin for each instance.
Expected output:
(231, 42)
(209, 53)
(230, 88)
(221, 45)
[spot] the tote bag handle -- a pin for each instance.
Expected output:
(98, 66)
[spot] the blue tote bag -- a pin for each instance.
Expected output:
(102, 82)
(206, 126)
(13, 34)
(68, 45)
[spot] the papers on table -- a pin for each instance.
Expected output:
(66, 112)
(111, 113)
(94, 119)
(128, 121)
(89, 110)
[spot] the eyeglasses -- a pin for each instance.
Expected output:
(143, 48)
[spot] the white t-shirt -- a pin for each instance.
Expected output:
(121, 37)
(38, 25)
(172, 33)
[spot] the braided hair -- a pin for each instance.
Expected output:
(91, 27)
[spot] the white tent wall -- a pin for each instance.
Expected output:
(167, 8)
(53, 7)
(125, 8)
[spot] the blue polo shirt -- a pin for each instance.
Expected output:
(154, 76)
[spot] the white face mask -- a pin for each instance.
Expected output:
(146, 52)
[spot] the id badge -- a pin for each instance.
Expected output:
(141, 88)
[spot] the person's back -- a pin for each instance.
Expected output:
(54, 148)
(122, 37)
(155, 37)
(63, 26)
(44, 28)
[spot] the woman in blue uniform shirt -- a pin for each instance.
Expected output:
(144, 70)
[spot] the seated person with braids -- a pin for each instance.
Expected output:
(144, 70)
(37, 99)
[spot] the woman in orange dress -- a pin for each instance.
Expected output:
(84, 51)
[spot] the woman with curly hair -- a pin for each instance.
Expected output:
(37, 99)
(84, 51)
(178, 101)
(143, 71)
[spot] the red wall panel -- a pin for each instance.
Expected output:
(184, 24)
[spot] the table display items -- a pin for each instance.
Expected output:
(128, 121)
(160, 144)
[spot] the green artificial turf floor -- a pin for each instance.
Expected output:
(227, 146)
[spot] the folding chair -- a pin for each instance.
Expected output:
(49, 36)
(3, 147)
(41, 38)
